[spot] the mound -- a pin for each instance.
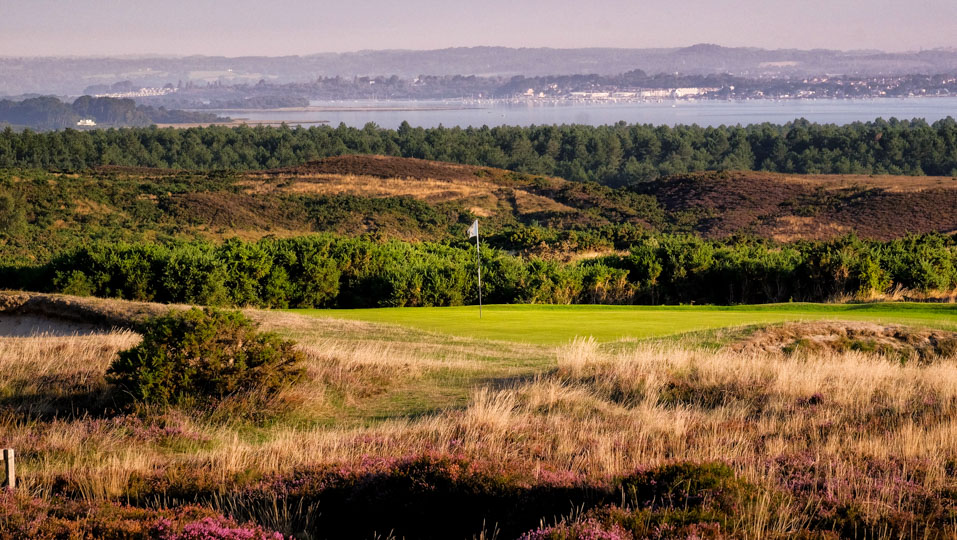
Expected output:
(506, 196)
(239, 210)
(788, 207)
(724, 203)
(57, 312)
(30, 326)
(894, 341)
(396, 167)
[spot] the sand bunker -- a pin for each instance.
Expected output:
(25, 314)
(32, 325)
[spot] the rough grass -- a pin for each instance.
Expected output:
(840, 442)
(553, 324)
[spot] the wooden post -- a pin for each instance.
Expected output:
(8, 458)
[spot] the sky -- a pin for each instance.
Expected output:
(288, 27)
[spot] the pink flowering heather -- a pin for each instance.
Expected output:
(589, 529)
(22, 516)
(220, 529)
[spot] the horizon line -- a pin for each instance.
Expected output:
(160, 55)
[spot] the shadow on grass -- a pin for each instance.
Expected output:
(58, 397)
(511, 382)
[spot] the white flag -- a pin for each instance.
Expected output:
(473, 230)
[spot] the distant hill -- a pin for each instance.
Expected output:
(713, 204)
(413, 199)
(793, 207)
(71, 75)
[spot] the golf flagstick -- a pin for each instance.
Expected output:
(473, 231)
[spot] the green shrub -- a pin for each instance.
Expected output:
(710, 485)
(334, 271)
(13, 219)
(201, 356)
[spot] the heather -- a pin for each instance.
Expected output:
(24, 517)
(395, 432)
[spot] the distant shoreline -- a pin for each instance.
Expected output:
(236, 122)
(312, 108)
(391, 114)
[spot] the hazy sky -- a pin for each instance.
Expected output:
(278, 27)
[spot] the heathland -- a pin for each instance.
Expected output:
(816, 430)
(134, 416)
(372, 231)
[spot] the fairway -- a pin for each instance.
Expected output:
(551, 324)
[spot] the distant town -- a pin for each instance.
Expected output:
(634, 86)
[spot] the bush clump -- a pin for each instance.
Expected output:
(201, 356)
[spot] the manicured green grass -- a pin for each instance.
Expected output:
(548, 324)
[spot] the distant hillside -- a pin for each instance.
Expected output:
(413, 199)
(72, 75)
(791, 207)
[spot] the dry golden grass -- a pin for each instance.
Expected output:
(55, 366)
(589, 410)
(793, 228)
(485, 195)
(428, 189)
(893, 183)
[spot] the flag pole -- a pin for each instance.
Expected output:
(478, 263)
(473, 231)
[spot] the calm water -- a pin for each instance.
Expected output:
(704, 113)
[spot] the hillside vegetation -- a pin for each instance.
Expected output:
(244, 238)
(413, 199)
(135, 416)
(431, 435)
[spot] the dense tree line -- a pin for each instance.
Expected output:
(334, 271)
(618, 154)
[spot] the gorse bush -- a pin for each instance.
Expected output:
(333, 271)
(200, 356)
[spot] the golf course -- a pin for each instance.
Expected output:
(554, 324)
(319, 349)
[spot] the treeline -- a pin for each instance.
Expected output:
(333, 271)
(47, 112)
(616, 155)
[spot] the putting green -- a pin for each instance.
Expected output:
(549, 324)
